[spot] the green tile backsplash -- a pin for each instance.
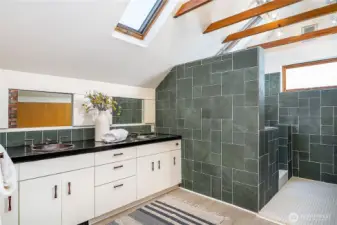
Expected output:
(36, 135)
(50, 134)
(66, 134)
(15, 139)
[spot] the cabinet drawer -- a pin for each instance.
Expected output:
(157, 148)
(114, 195)
(114, 171)
(115, 155)
(47, 167)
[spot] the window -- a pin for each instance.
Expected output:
(310, 75)
(139, 16)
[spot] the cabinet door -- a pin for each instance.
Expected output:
(78, 196)
(175, 167)
(40, 201)
(147, 183)
(10, 209)
(163, 166)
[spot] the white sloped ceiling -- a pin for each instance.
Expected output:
(74, 39)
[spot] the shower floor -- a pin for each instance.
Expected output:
(303, 202)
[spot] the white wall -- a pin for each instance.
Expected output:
(29, 81)
(313, 50)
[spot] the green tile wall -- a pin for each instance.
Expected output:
(216, 104)
(312, 117)
(15, 139)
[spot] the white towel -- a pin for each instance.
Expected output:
(8, 179)
(115, 135)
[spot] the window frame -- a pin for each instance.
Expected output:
(146, 25)
(305, 64)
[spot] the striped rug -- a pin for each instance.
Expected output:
(169, 211)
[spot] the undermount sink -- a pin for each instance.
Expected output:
(52, 147)
(145, 137)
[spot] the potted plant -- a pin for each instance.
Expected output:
(103, 103)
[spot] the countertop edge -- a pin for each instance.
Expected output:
(59, 154)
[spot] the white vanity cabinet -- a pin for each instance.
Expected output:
(175, 169)
(156, 172)
(66, 199)
(78, 197)
(57, 191)
(115, 179)
(40, 201)
(74, 189)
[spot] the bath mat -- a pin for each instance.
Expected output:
(169, 211)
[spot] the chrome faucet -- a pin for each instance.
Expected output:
(31, 142)
(48, 141)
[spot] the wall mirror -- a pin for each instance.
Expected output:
(28, 109)
(132, 111)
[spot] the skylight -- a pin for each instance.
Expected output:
(139, 16)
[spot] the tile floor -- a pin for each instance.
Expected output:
(232, 215)
(304, 202)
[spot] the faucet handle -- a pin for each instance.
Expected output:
(31, 142)
(48, 140)
(62, 137)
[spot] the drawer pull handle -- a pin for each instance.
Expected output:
(118, 167)
(177, 144)
(69, 188)
(55, 191)
(159, 165)
(9, 203)
(118, 154)
(174, 160)
(118, 186)
(152, 166)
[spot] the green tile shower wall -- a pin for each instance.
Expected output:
(313, 118)
(268, 165)
(132, 111)
(14, 139)
(215, 104)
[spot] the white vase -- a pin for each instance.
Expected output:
(102, 125)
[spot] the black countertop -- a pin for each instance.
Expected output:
(25, 154)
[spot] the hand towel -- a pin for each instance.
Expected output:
(8, 179)
(115, 135)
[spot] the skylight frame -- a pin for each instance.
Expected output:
(147, 23)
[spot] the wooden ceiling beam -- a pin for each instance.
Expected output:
(298, 38)
(189, 6)
(283, 22)
(259, 10)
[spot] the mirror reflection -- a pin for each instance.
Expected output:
(38, 109)
(131, 111)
